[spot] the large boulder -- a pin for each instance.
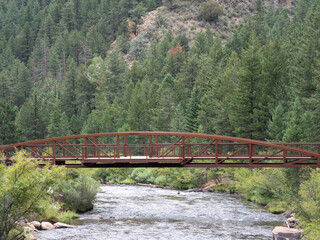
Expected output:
(62, 225)
(36, 224)
(283, 233)
(32, 227)
(46, 226)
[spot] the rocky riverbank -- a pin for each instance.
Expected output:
(36, 226)
(288, 231)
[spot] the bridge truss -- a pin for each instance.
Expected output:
(164, 149)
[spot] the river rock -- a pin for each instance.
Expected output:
(283, 233)
(286, 214)
(192, 190)
(27, 229)
(32, 227)
(36, 224)
(46, 226)
(292, 222)
(62, 225)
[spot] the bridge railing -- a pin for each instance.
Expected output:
(184, 149)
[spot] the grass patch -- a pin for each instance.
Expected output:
(52, 213)
(67, 216)
(277, 207)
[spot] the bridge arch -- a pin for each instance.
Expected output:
(165, 149)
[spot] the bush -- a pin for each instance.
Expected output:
(308, 206)
(22, 186)
(261, 186)
(67, 216)
(100, 175)
(52, 212)
(142, 175)
(210, 11)
(79, 194)
(138, 47)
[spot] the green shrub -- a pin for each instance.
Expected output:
(79, 194)
(142, 175)
(52, 212)
(261, 186)
(311, 230)
(67, 216)
(210, 11)
(49, 212)
(22, 186)
(307, 206)
(138, 47)
(100, 175)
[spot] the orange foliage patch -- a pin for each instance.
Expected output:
(176, 49)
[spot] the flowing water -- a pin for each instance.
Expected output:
(139, 212)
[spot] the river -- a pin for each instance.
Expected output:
(139, 212)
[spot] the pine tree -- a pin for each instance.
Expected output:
(307, 54)
(164, 107)
(249, 116)
(69, 85)
(31, 119)
(25, 42)
(298, 128)
(138, 109)
(64, 125)
(274, 87)
(16, 82)
(96, 42)
(177, 119)
(55, 123)
(68, 19)
(277, 124)
(191, 117)
(9, 133)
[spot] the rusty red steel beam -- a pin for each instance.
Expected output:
(185, 159)
(177, 134)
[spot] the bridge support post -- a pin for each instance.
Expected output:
(183, 149)
(118, 146)
(125, 146)
(250, 153)
(216, 148)
(86, 147)
(64, 148)
(150, 147)
(94, 147)
(54, 152)
(157, 146)
(189, 147)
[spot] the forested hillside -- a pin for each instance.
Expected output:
(70, 67)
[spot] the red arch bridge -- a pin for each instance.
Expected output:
(164, 149)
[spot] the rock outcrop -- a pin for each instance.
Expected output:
(283, 233)
(62, 225)
(36, 224)
(46, 226)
